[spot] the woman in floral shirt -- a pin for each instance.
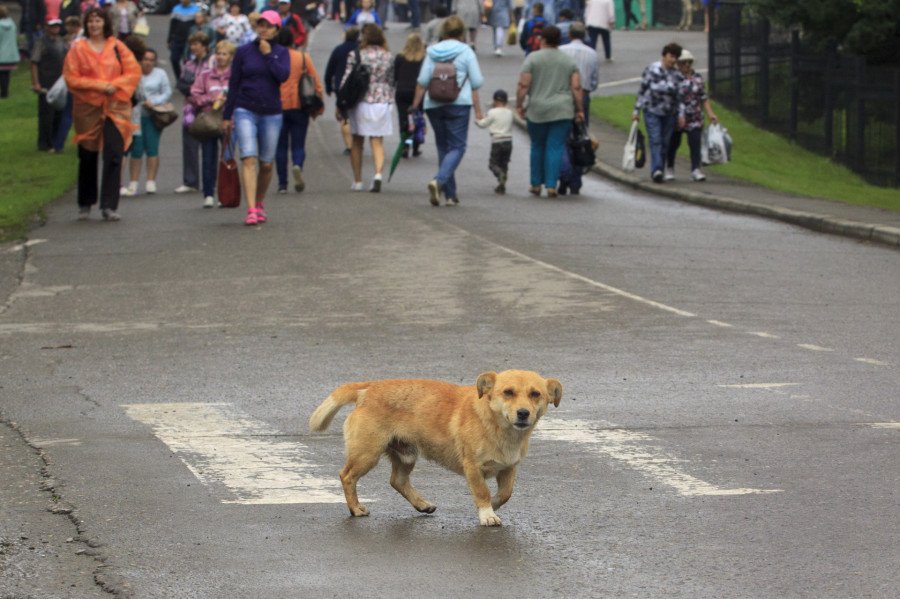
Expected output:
(692, 93)
(372, 117)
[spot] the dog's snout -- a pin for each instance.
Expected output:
(522, 414)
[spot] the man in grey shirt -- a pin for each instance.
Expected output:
(588, 64)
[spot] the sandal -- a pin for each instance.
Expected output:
(535, 191)
(251, 217)
(551, 193)
(261, 215)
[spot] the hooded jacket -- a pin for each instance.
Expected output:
(468, 73)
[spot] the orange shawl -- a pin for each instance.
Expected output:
(87, 73)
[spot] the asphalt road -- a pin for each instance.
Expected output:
(728, 425)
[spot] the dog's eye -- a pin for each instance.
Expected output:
(509, 393)
(535, 395)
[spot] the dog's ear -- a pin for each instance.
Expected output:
(554, 391)
(485, 383)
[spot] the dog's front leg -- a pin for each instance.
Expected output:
(481, 493)
(505, 480)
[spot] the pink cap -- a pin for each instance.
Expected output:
(271, 17)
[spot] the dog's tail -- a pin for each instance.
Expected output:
(340, 397)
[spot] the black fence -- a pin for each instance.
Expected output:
(831, 103)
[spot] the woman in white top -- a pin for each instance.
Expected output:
(600, 19)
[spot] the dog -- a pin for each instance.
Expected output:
(479, 431)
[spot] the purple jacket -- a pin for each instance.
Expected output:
(255, 83)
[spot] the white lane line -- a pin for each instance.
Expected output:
(53, 442)
(872, 361)
(638, 451)
(583, 279)
(812, 347)
(622, 82)
(763, 334)
(759, 385)
(888, 425)
(222, 446)
(719, 323)
(21, 246)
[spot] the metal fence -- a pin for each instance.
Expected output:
(831, 103)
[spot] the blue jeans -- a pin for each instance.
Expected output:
(548, 141)
(294, 127)
(450, 124)
(659, 133)
(257, 134)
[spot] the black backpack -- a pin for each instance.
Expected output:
(353, 89)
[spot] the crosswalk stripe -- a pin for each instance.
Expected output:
(637, 451)
(222, 446)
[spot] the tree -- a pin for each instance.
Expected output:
(869, 28)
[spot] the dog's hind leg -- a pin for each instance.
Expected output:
(402, 464)
(364, 448)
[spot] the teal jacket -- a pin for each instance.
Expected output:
(9, 47)
(467, 70)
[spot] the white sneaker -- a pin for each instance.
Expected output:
(130, 190)
(358, 186)
(181, 189)
(669, 174)
(498, 52)
(209, 202)
(151, 187)
(299, 183)
(697, 175)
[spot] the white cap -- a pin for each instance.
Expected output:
(686, 56)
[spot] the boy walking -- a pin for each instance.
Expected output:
(499, 121)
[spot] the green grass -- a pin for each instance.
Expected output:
(28, 179)
(770, 160)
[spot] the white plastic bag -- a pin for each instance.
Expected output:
(57, 94)
(628, 155)
(716, 145)
(142, 26)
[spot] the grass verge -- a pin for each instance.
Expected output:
(29, 179)
(769, 160)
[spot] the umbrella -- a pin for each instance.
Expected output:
(404, 135)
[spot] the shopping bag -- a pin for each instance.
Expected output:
(141, 27)
(512, 35)
(229, 178)
(628, 156)
(57, 94)
(715, 146)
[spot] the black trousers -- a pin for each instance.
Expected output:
(694, 136)
(49, 120)
(403, 101)
(111, 178)
(500, 154)
(593, 33)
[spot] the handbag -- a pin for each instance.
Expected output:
(640, 151)
(354, 88)
(581, 147)
(310, 102)
(207, 125)
(163, 115)
(57, 94)
(512, 35)
(229, 178)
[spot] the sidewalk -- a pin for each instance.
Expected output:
(724, 193)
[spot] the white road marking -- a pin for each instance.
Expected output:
(52, 442)
(222, 446)
(889, 425)
(759, 385)
(871, 361)
(763, 334)
(21, 246)
(638, 451)
(719, 323)
(812, 347)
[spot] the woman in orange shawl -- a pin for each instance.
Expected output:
(102, 74)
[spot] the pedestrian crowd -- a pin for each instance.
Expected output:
(250, 91)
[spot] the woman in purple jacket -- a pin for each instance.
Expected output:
(253, 109)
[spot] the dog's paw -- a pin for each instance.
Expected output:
(487, 517)
(426, 508)
(360, 511)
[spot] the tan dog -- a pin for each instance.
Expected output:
(478, 431)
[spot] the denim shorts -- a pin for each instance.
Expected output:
(257, 134)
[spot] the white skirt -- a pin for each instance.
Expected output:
(371, 120)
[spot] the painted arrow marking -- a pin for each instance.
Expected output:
(222, 446)
(637, 451)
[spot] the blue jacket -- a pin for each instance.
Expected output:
(467, 70)
(255, 83)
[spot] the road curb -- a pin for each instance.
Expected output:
(823, 223)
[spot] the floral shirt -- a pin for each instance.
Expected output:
(693, 96)
(381, 80)
(659, 91)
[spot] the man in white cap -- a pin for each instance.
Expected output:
(47, 59)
